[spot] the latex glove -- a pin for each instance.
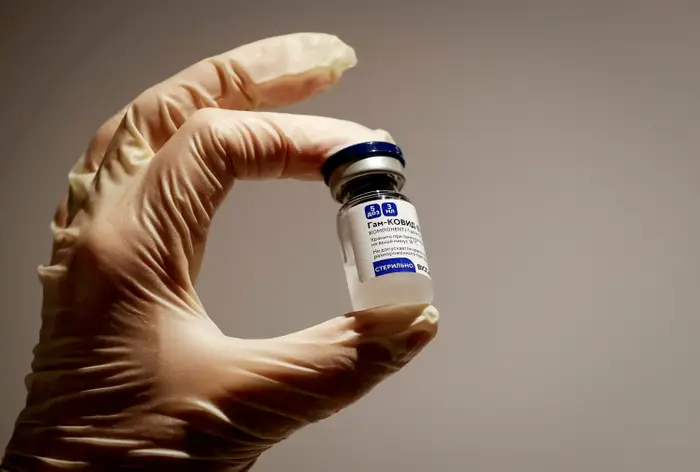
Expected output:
(129, 370)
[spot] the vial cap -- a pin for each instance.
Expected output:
(358, 152)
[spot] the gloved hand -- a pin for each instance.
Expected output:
(129, 370)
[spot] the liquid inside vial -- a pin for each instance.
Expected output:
(384, 258)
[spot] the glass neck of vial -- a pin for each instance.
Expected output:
(367, 184)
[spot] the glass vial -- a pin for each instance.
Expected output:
(380, 236)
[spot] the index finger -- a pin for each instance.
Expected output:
(272, 72)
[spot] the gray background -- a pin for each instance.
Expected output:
(553, 156)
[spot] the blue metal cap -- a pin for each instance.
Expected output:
(358, 152)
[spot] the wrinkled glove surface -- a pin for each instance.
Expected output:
(129, 371)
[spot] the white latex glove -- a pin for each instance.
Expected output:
(130, 372)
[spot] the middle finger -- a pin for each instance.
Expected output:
(268, 73)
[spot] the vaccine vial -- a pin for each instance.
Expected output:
(380, 236)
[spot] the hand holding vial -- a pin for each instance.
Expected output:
(130, 371)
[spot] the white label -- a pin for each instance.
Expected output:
(386, 239)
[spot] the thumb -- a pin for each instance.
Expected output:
(294, 380)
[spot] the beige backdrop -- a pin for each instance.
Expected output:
(553, 156)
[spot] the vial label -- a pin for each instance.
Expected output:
(386, 239)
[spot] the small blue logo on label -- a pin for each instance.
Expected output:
(372, 211)
(396, 264)
(389, 209)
